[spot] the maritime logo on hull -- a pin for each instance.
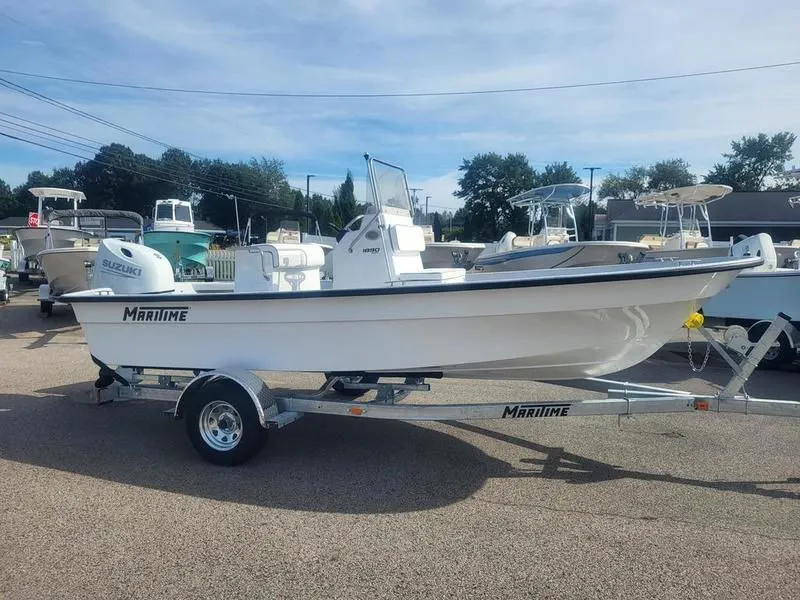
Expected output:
(117, 268)
(160, 314)
(533, 411)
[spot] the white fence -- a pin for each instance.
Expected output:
(223, 262)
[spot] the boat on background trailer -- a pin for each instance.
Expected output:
(37, 237)
(552, 239)
(5, 286)
(688, 241)
(453, 253)
(173, 234)
(756, 295)
(386, 316)
(68, 269)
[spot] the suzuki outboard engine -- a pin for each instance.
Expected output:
(129, 268)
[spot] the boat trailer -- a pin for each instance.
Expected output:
(228, 412)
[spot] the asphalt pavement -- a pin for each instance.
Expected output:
(113, 502)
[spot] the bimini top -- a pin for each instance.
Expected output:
(559, 193)
(104, 213)
(48, 192)
(702, 193)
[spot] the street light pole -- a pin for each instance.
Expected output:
(591, 203)
(308, 203)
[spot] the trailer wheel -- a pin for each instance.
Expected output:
(339, 386)
(780, 353)
(223, 424)
(22, 277)
(46, 307)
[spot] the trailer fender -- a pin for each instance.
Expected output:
(256, 389)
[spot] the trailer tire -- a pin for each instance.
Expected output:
(46, 307)
(22, 277)
(781, 353)
(223, 425)
(340, 388)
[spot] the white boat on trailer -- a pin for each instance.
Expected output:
(403, 321)
(551, 210)
(35, 238)
(688, 241)
(545, 324)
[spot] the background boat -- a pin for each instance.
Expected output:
(174, 236)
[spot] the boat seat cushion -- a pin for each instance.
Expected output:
(434, 276)
(407, 238)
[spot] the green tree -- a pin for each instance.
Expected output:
(626, 186)
(437, 227)
(345, 206)
(668, 174)
(558, 173)
(488, 181)
(752, 161)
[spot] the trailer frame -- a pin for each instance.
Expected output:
(229, 411)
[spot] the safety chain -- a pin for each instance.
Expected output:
(691, 358)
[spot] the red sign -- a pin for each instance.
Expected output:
(33, 219)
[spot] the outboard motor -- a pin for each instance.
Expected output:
(129, 268)
(757, 245)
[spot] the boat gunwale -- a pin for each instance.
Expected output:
(499, 283)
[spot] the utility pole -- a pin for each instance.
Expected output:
(591, 203)
(308, 203)
(236, 208)
(426, 207)
(415, 190)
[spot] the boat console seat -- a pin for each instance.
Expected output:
(407, 239)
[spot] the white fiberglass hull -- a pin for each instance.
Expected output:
(758, 295)
(33, 239)
(65, 269)
(547, 325)
(443, 255)
(688, 253)
(571, 254)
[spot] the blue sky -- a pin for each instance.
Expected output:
(372, 46)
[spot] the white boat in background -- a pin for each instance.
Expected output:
(34, 239)
(67, 269)
(757, 294)
(5, 288)
(383, 312)
(453, 253)
(688, 241)
(552, 239)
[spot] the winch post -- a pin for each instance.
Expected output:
(781, 324)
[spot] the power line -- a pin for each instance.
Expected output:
(540, 88)
(135, 172)
(71, 109)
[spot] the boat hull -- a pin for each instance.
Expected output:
(758, 295)
(688, 253)
(33, 239)
(65, 269)
(547, 326)
(443, 255)
(187, 249)
(572, 254)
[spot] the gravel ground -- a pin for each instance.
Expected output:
(113, 502)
